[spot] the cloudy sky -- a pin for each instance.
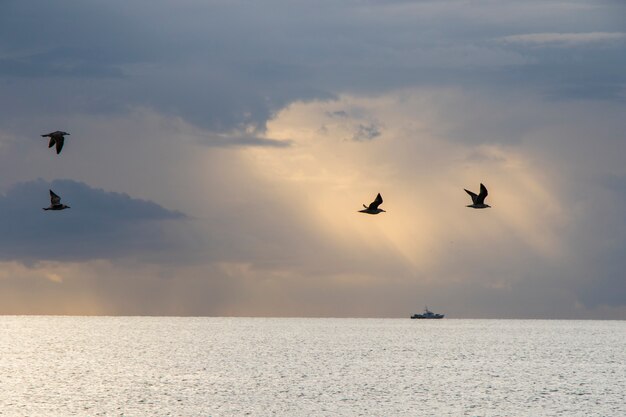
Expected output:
(220, 150)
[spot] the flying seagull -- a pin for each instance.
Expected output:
(478, 201)
(373, 207)
(55, 202)
(56, 138)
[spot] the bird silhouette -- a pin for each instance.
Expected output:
(56, 138)
(373, 207)
(478, 201)
(55, 202)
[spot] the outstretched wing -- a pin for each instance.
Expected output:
(482, 195)
(51, 143)
(374, 204)
(59, 142)
(54, 199)
(473, 195)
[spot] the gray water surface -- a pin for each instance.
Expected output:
(160, 366)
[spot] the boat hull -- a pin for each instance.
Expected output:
(421, 317)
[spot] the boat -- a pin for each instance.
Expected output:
(427, 314)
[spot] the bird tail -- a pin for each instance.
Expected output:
(364, 206)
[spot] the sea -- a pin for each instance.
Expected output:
(175, 366)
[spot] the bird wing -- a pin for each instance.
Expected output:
(51, 143)
(482, 195)
(374, 204)
(54, 199)
(473, 195)
(59, 142)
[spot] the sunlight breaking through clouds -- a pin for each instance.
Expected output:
(269, 124)
(423, 194)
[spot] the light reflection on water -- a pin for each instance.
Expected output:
(156, 366)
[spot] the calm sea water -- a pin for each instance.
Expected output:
(139, 366)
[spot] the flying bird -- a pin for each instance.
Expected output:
(478, 201)
(373, 207)
(55, 202)
(56, 138)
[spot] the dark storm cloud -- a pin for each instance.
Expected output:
(577, 72)
(55, 63)
(183, 61)
(227, 65)
(98, 225)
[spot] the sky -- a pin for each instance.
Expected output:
(220, 151)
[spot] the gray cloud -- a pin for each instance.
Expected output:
(341, 114)
(188, 60)
(238, 139)
(615, 183)
(99, 224)
(366, 132)
(170, 101)
(565, 39)
(58, 63)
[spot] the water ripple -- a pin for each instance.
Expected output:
(147, 366)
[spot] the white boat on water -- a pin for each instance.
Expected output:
(427, 314)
